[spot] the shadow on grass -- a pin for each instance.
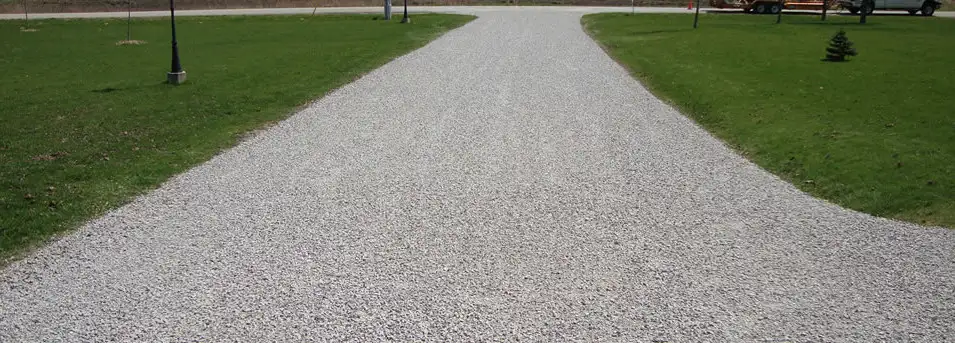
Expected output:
(832, 23)
(105, 90)
(652, 32)
(846, 14)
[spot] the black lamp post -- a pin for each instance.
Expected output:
(406, 19)
(176, 75)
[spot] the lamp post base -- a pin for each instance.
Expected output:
(405, 20)
(176, 78)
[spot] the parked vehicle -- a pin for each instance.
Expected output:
(927, 7)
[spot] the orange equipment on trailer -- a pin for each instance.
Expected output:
(773, 7)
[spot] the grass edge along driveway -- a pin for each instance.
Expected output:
(875, 134)
(88, 124)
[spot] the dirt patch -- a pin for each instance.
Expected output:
(131, 42)
(49, 157)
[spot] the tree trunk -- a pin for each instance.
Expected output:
(779, 16)
(696, 17)
(825, 7)
(863, 10)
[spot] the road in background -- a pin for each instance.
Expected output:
(413, 9)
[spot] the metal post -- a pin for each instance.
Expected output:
(176, 75)
(387, 9)
(696, 17)
(26, 13)
(406, 20)
(632, 10)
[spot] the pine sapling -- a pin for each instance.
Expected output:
(839, 48)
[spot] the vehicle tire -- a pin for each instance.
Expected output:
(913, 12)
(775, 9)
(760, 8)
(868, 7)
(853, 10)
(928, 9)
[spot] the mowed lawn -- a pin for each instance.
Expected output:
(876, 134)
(85, 124)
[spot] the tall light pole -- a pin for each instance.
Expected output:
(406, 19)
(387, 9)
(176, 75)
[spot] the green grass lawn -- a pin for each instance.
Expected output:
(85, 124)
(875, 134)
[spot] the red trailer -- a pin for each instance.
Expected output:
(773, 7)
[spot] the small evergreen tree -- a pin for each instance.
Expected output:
(839, 48)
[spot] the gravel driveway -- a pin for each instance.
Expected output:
(508, 181)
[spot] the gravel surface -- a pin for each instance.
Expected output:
(508, 181)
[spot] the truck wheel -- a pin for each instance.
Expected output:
(774, 9)
(928, 9)
(868, 7)
(760, 9)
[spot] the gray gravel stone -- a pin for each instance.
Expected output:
(508, 181)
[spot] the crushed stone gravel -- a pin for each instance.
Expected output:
(508, 181)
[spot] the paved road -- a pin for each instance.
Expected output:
(526, 188)
(414, 9)
(329, 10)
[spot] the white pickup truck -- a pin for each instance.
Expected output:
(927, 7)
